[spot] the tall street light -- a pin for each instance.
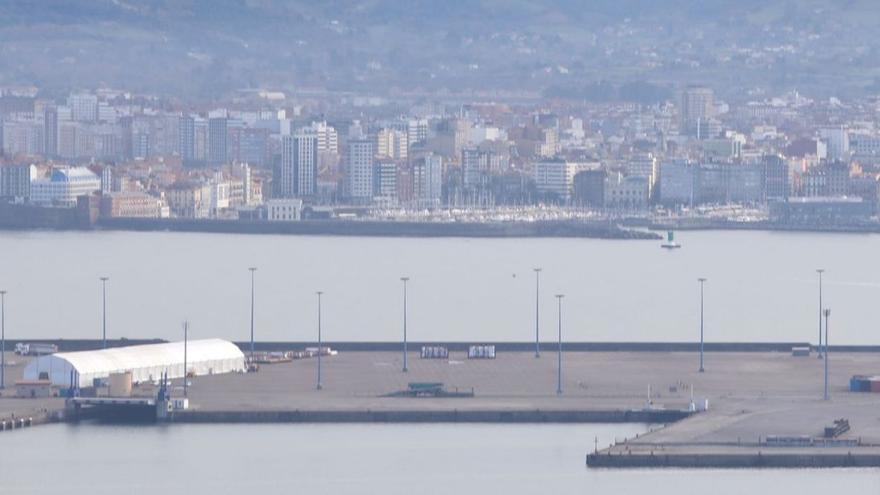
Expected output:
(827, 316)
(319, 386)
(404, 280)
(185, 339)
(559, 352)
(104, 310)
(702, 281)
(252, 269)
(820, 271)
(537, 307)
(2, 339)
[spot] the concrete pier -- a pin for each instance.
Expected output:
(751, 396)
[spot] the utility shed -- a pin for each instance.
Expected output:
(145, 362)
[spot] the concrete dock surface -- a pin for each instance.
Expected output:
(751, 395)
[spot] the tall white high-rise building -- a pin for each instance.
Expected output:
(837, 140)
(428, 180)
(417, 131)
(299, 164)
(385, 182)
(83, 107)
(697, 104)
(359, 171)
(328, 138)
(474, 167)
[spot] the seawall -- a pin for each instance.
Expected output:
(430, 416)
(745, 460)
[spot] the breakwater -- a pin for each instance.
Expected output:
(743, 460)
(696, 224)
(430, 416)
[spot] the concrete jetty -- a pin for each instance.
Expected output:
(765, 406)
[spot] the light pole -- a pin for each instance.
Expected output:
(252, 269)
(537, 306)
(104, 310)
(702, 281)
(319, 386)
(2, 339)
(827, 316)
(185, 338)
(820, 271)
(559, 352)
(404, 280)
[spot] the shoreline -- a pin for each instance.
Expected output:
(32, 218)
(25, 217)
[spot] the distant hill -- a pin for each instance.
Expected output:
(564, 47)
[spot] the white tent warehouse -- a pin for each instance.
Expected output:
(145, 362)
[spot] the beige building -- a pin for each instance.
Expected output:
(189, 199)
(391, 143)
(131, 205)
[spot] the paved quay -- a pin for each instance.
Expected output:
(591, 380)
(751, 395)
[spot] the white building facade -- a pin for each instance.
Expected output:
(63, 186)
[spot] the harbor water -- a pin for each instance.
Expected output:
(348, 459)
(761, 286)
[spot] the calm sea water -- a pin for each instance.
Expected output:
(342, 459)
(762, 286)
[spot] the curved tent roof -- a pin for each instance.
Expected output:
(145, 362)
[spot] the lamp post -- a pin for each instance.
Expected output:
(820, 271)
(404, 280)
(537, 308)
(2, 339)
(702, 281)
(104, 310)
(185, 338)
(559, 352)
(319, 386)
(252, 269)
(827, 316)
